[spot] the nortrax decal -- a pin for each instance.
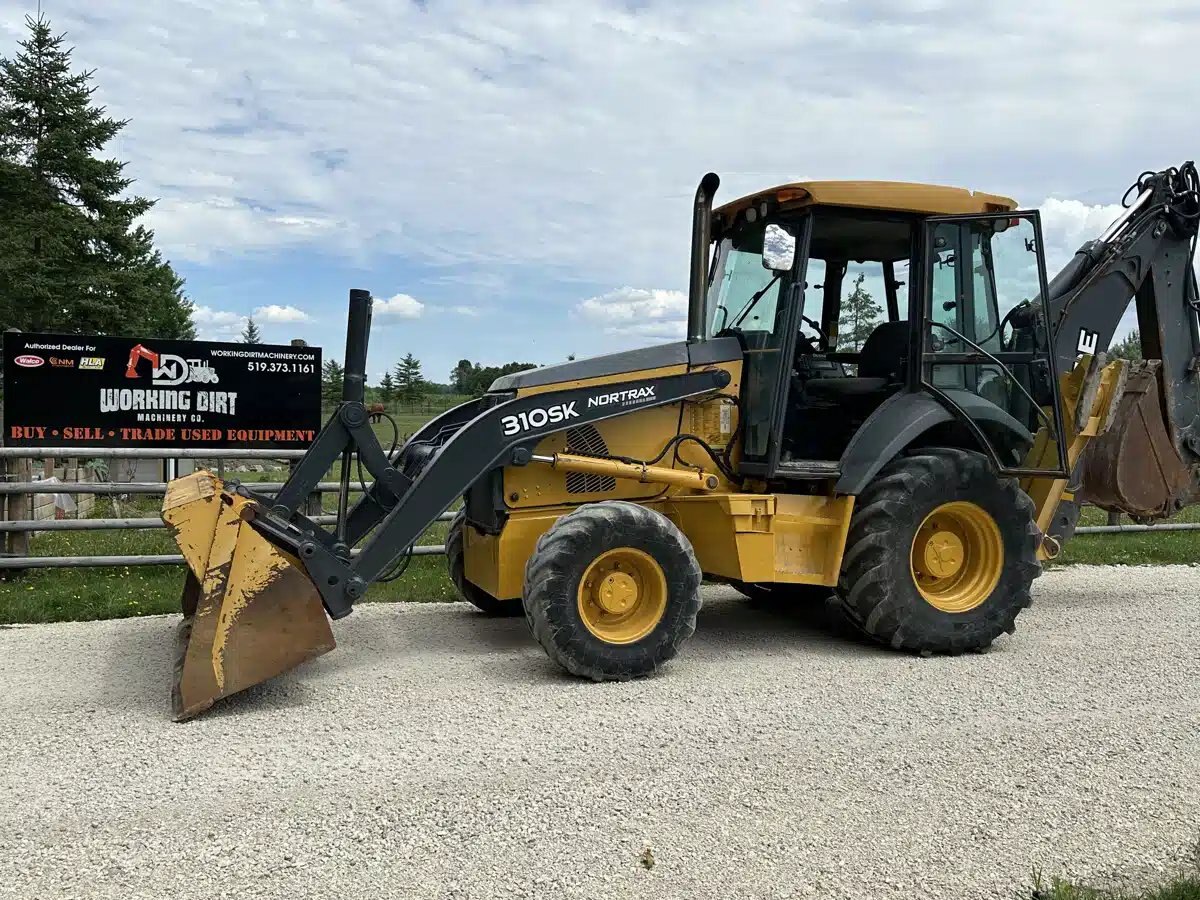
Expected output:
(627, 396)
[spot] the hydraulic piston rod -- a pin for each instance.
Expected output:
(691, 478)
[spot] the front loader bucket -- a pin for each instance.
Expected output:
(249, 610)
(1134, 467)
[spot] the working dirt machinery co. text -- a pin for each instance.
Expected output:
(920, 478)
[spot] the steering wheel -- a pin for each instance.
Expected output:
(1021, 309)
(823, 346)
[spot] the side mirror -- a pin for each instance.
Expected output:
(779, 249)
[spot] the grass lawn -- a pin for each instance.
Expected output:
(58, 595)
(1180, 887)
(1148, 548)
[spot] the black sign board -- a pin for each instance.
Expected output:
(84, 391)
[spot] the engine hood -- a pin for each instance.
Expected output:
(660, 356)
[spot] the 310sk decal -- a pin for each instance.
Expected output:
(538, 417)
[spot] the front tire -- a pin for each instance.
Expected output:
(940, 555)
(476, 596)
(612, 591)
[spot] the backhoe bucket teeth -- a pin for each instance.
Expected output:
(1134, 466)
(250, 611)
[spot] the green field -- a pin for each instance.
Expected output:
(1148, 548)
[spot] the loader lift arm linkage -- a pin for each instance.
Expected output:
(466, 441)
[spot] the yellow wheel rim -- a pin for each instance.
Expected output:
(957, 557)
(622, 595)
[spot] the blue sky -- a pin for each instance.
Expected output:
(513, 180)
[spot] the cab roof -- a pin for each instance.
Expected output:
(892, 196)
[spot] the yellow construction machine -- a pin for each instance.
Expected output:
(918, 469)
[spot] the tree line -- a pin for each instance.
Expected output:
(405, 384)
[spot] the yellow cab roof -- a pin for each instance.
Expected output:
(893, 196)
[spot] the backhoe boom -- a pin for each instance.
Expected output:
(1147, 462)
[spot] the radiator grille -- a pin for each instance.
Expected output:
(586, 441)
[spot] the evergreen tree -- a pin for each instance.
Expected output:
(251, 334)
(409, 383)
(859, 316)
(332, 378)
(1129, 347)
(72, 257)
(387, 388)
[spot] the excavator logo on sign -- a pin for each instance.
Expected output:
(168, 369)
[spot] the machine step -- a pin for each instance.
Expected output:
(810, 468)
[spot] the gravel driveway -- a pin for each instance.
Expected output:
(439, 754)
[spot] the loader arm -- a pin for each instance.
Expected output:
(1146, 462)
(436, 466)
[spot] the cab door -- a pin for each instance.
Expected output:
(985, 349)
(768, 331)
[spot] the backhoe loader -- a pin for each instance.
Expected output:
(918, 469)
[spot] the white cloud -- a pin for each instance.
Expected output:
(508, 153)
(200, 228)
(601, 117)
(1068, 224)
(400, 306)
(217, 324)
(470, 311)
(651, 313)
(281, 314)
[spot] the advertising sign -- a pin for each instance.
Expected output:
(80, 391)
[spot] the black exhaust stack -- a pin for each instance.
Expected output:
(354, 389)
(701, 235)
(358, 333)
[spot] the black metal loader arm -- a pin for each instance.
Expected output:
(436, 466)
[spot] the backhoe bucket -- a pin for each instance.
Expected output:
(250, 611)
(1134, 467)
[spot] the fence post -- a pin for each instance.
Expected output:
(18, 507)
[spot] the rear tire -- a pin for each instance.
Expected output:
(612, 591)
(476, 596)
(941, 554)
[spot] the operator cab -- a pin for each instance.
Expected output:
(815, 282)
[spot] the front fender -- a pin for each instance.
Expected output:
(894, 424)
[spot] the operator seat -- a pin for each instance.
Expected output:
(880, 366)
